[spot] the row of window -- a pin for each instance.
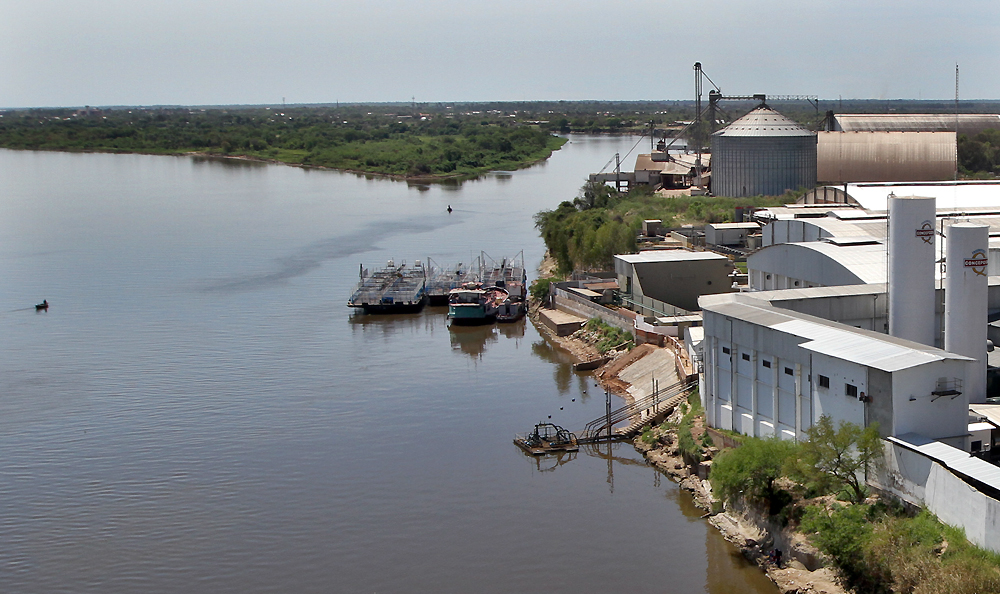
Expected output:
(764, 362)
(824, 382)
(849, 389)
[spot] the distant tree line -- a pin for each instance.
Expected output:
(387, 143)
(979, 156)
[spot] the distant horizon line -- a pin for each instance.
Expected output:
(464, 102)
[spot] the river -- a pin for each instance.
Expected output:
(198, 411)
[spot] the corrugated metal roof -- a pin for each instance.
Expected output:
(764, 121)
(852, 240)
(675, 165)
(990, 411)
(954, 459)
(865, 350)
(734, 225)
(843, 157)
(864, 347)
(668, 256)
(968, 123)
(866, 262)
(949, 195)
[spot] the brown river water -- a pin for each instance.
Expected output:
(199, 412)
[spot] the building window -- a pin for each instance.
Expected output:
(766, 363)
(824, 382)
(851, 390)
(746, 356)
(726, 350)
(788, 371)
(977, 446)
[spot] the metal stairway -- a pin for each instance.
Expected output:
(662, 400)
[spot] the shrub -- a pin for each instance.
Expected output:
(751, 469)
(540, 288)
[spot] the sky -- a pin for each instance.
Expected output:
(218, 52)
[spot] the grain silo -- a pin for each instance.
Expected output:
(762, 153)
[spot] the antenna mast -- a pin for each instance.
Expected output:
(956, 121)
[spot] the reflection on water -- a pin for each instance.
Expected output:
(228, 162)
(473, 340)
(549, 462)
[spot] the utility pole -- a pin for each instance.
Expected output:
(607, 405)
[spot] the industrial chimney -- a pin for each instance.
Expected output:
(966, 299)
(911, 268)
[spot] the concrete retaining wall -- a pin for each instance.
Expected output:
(576, 305)
(923, 481)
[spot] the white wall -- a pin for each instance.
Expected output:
(942, 418)
(923, 481)
(748, 389)
(834, 401)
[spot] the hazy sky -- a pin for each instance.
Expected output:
(143, 52)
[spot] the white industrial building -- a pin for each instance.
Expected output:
(775, 361)
(772, 371)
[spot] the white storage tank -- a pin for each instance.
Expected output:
(966, 292)
(762, 153)
(911, 268)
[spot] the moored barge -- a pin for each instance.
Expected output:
(393, 289)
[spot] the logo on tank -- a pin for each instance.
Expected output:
(978, 262)
(926, 232)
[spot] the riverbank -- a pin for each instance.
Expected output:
(804, 570)
(753, 534)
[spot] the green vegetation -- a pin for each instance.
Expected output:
(539, 289)
(402, 144)
(750, 470)
(880, 549)
(586, 233)
(834, 458)
(611, 337)
(691, 449)
(979, 156)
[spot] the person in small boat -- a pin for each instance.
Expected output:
(449, 209)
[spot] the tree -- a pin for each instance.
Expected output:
(839, 457)
(751, 469)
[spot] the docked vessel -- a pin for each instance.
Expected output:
(393, 289)
(475, 304)
(440, 280)
(510, 274)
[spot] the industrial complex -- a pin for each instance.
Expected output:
(873, 299)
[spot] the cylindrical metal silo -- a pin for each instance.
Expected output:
(911, 268)
(966, 292)
(762, 153)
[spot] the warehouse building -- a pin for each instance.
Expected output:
(658, 282)
(773, 372)
(848, 157)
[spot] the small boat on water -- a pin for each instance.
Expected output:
(511, 310)
(43, 306)
(547, 438)
(475, 304)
